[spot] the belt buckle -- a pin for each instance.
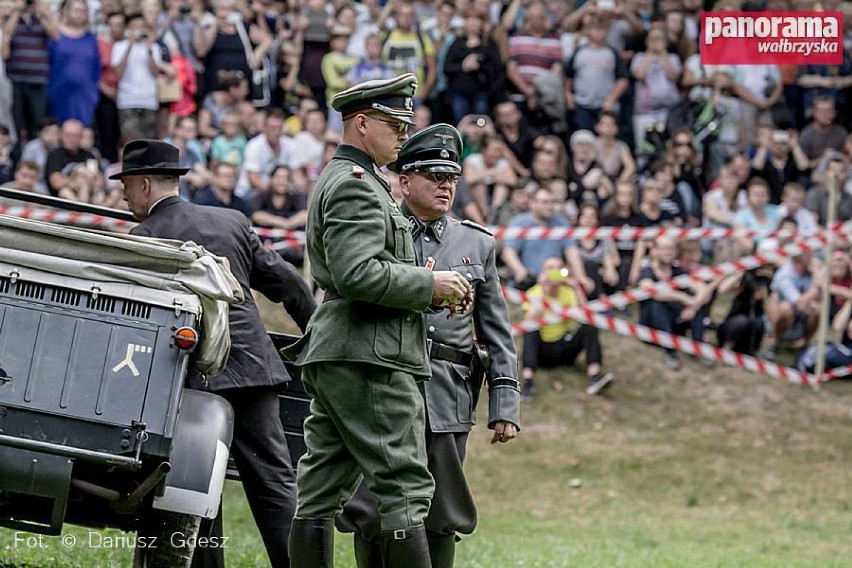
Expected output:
(400, 534)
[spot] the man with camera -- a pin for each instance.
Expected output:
(555, 345)
(137, 61)
(428, 168)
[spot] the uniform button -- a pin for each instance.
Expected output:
(431, 329)
(409, 317)
(427, 239)
(469, 276)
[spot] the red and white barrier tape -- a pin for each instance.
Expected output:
(528, 233)
(702, 274)
(276, 234)
(516, 296)
(589, 314)
(707, 273)
(285, 244)
(294, 239)
(637, 233)
(631, 233)
(682, 344)
(627, 233)
(836, 373)
(65, 217)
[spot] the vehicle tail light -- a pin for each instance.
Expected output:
(185, 338)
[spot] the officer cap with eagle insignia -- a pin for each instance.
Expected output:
(435, 149)
(393, 97)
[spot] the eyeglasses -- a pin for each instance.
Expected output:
(397, 125)
(439, 178)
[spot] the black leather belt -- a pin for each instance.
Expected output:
(443, 352)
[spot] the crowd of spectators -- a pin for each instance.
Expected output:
(586, 112)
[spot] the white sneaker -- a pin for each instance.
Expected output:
(599, 383)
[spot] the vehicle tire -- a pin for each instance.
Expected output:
(166, 540)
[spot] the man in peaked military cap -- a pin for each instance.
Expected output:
(365, 348)
(428, 166)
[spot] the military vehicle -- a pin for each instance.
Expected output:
(97, 331)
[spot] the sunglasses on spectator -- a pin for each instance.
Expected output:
(439, 178)
(397, 125)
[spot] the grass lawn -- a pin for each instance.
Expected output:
(705, 467)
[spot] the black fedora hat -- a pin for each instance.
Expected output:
(149, 157)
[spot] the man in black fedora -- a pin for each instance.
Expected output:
(150, 173)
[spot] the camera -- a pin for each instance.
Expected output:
(557, 274)
(184, 10)
(780, 137)
(756, 278)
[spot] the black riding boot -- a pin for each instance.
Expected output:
(405, 548)
(442, 549)
(312, 543)
(367, 554)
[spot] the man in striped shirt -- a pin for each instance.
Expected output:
(533, 53)
(26, 33)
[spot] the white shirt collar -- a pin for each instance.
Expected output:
(151, 208)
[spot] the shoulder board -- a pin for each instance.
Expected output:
(477, 226)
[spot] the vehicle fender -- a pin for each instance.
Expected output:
(199, 456)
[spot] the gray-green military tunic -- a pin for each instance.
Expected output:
(449, 244)
(364, 349)
(468, 249)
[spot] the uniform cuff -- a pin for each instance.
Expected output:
(504, 402)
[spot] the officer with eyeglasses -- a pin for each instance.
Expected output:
(364, 352)
(429, 168)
